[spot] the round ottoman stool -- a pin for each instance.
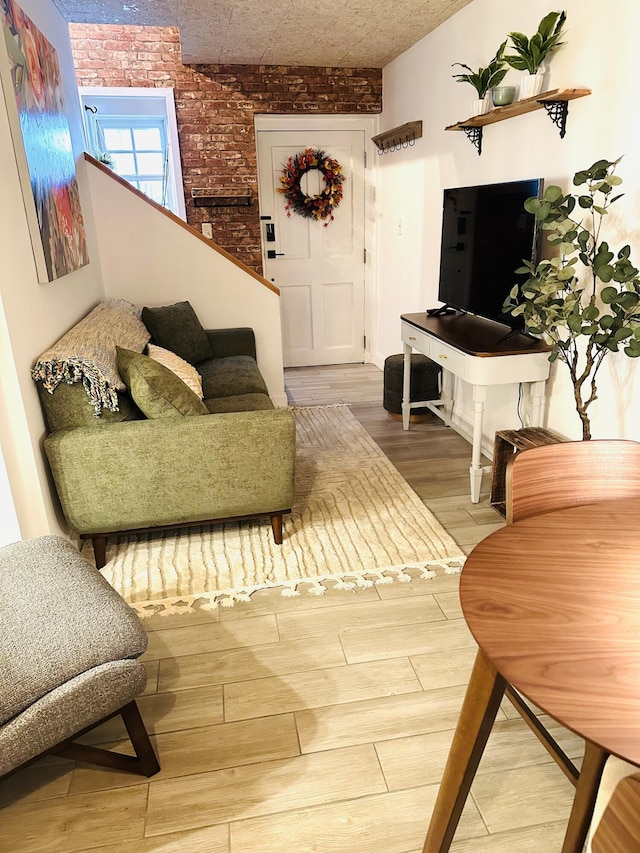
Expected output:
(425, 375)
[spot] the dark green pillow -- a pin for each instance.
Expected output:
(155, 389)
(177, 328)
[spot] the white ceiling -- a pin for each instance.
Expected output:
(339, 33)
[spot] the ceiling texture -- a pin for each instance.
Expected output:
(337, 33)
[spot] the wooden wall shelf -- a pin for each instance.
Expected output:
(555, 102)
(221, 198)
(398, 137)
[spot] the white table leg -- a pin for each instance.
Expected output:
(446, 393)
(475, 471)
(537, 399)
(406, 386)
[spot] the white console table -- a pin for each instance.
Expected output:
(476, 351)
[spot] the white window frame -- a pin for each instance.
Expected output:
(176, 190)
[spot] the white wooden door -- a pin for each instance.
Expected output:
(319, 270)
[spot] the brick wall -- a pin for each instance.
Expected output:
(215, 105)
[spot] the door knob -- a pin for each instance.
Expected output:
(271, 254)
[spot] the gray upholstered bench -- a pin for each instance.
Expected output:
(69, 649)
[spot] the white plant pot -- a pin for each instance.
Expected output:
(481, 105)
(531, 84)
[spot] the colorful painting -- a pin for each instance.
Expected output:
(36, 84)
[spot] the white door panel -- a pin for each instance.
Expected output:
(319, 270)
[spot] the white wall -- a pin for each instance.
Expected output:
(419, 85)
(33, 315)
(150, 260)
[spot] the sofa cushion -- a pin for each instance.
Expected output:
(69, 407)
(238, 403)
(226, 377)
(177, 328)
(155, 389)
(87, 353)
(182, 369)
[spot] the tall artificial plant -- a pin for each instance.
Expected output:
(484, 79)
(585, 300)
(530, 53)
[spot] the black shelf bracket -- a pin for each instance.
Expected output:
(558, 112)
(474, 135)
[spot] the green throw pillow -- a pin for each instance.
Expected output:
(155, 389)
(177, 328)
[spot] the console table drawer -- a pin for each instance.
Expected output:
(416, 339)
(447, 357)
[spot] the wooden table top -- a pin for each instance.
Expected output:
(554, 602)
(475, 335)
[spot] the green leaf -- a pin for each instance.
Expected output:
(605, 273)
(585, 201)
(590, 312)
(552, 193)
(608, 295)
(566, 274)
(628, 300)
(621, 334)
(575, 323)
(532, 204)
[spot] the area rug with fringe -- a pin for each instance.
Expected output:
(355, 522)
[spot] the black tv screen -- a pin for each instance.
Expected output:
(486, 234)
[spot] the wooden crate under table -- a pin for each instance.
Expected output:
(508, 442)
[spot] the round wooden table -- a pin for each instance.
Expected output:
(554, 604)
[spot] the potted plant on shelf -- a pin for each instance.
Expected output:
(530, 54)
(484, 79)
(586, 300)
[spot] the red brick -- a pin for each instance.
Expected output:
(215, 106)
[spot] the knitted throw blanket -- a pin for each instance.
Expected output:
(87, 353)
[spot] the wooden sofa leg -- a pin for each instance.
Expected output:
(276, 526)
(100, 550)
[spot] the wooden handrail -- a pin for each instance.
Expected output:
(181, 223)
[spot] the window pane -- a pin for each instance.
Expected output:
(151, 188)
(124, 164)
(117, 137)
(148, 138)
(149, 164)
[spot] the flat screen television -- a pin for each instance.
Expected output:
(486, 234)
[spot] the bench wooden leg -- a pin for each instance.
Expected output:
(145, 762)
(481, 702)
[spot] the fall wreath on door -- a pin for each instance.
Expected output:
(319, 206)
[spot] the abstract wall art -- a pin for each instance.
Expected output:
(32, 85)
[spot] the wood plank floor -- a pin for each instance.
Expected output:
(311, 725)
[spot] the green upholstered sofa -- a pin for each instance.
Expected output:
(125, 459)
